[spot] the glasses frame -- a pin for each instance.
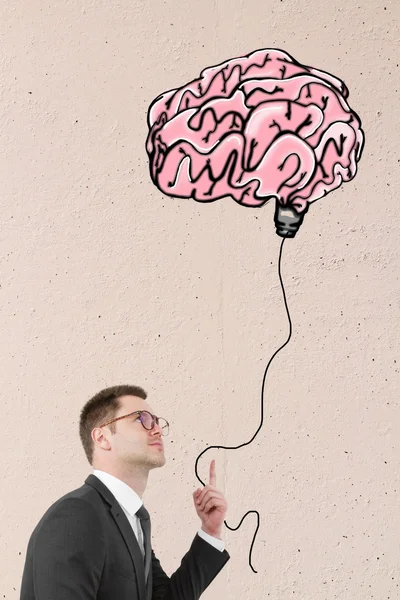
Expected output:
(139, 412)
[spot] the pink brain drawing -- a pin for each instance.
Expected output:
(254, 128)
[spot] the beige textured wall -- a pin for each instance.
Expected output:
(104, 280)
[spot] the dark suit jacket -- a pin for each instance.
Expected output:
(84, 548)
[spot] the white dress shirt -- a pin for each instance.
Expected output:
(130, 503)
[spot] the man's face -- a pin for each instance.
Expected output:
(132, 445)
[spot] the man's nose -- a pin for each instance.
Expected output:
(156, 429)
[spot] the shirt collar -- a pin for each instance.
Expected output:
(125, 495)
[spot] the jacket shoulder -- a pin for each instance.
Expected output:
(83, 499)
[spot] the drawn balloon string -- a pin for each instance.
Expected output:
(255, 128)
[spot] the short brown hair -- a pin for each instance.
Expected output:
(101, 408)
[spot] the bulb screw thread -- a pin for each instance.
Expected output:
(287, 220)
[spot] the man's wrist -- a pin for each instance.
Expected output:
(216, 534)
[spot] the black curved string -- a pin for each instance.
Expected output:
(262, 414)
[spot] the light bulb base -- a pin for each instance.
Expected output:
(287, 220)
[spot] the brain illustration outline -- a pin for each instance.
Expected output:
(255, 128)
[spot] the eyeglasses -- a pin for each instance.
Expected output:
(146, 419)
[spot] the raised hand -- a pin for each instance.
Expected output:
(211, 505)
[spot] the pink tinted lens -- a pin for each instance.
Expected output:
(147, 422)
(146, 419)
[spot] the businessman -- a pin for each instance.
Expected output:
(95, 542)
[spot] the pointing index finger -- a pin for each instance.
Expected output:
(213, 477)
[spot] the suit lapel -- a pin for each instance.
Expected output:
(126, 532)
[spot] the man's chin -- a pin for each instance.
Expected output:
(157, 463)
